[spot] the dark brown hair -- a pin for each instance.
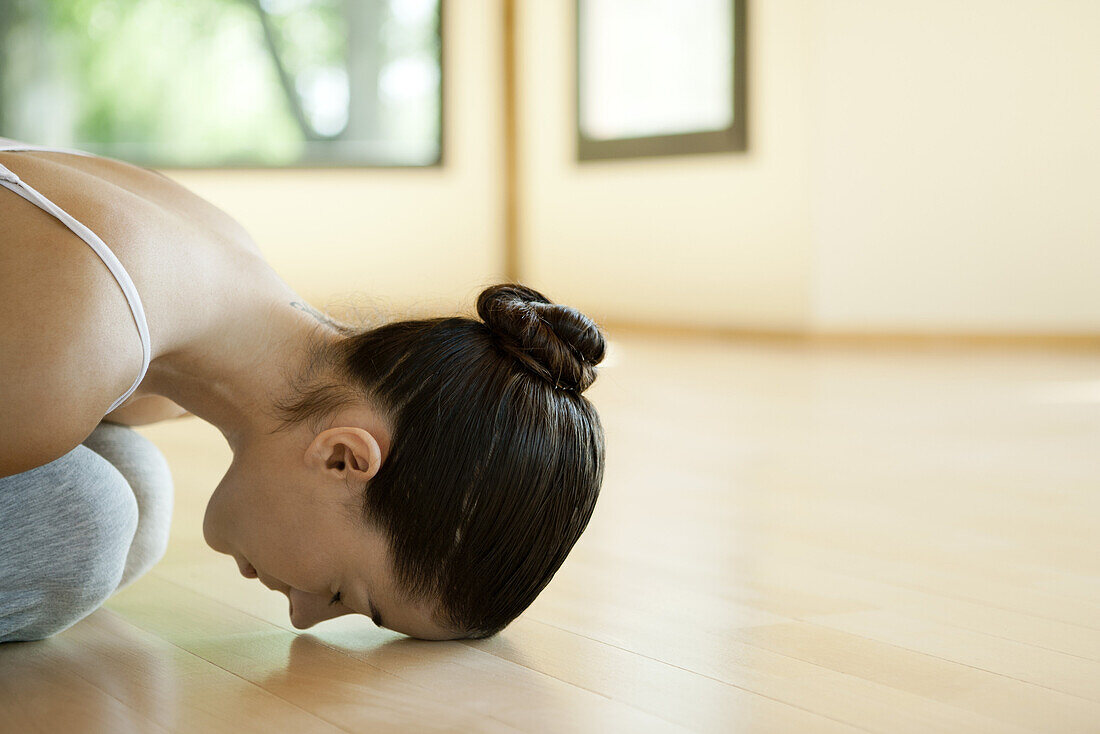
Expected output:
(496, 458)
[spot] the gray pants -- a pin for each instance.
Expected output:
(74, 531)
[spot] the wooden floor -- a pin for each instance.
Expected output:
(790, 539)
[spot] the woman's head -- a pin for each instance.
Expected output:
(473, 469)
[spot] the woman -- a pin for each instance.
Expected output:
(431, 474)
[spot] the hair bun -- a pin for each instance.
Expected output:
(558, 343)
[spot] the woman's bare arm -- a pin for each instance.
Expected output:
(149, 409)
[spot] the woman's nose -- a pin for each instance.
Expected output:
(308, 609)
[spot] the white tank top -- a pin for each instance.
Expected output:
(9, 180)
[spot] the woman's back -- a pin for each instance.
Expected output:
(68, 337)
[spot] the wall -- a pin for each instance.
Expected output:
(955, 165)
(717, 239)
(913, 167)
(406, 239)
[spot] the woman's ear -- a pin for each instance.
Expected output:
(346, 451)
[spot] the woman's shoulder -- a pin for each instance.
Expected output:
(67, 337)
(68, 340)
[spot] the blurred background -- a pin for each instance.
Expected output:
(794, 167)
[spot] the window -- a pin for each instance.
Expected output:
(660, 77)
(204, 83)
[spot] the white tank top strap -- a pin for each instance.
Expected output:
(10, 181)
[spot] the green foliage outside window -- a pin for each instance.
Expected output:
(197, 83)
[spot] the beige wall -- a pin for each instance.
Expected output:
(916, 167)
(420, 239)
(716, 239)
(956, 165)
(912, 167)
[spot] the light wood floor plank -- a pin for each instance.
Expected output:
(966, 584)
(792, 592)
(41, 692)
(1054, 670)
(709, 705)
(798, 681)
(995, 696)
(144, 674)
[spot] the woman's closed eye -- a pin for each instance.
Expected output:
(374, 615)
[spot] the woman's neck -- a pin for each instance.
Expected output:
(232, 370)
